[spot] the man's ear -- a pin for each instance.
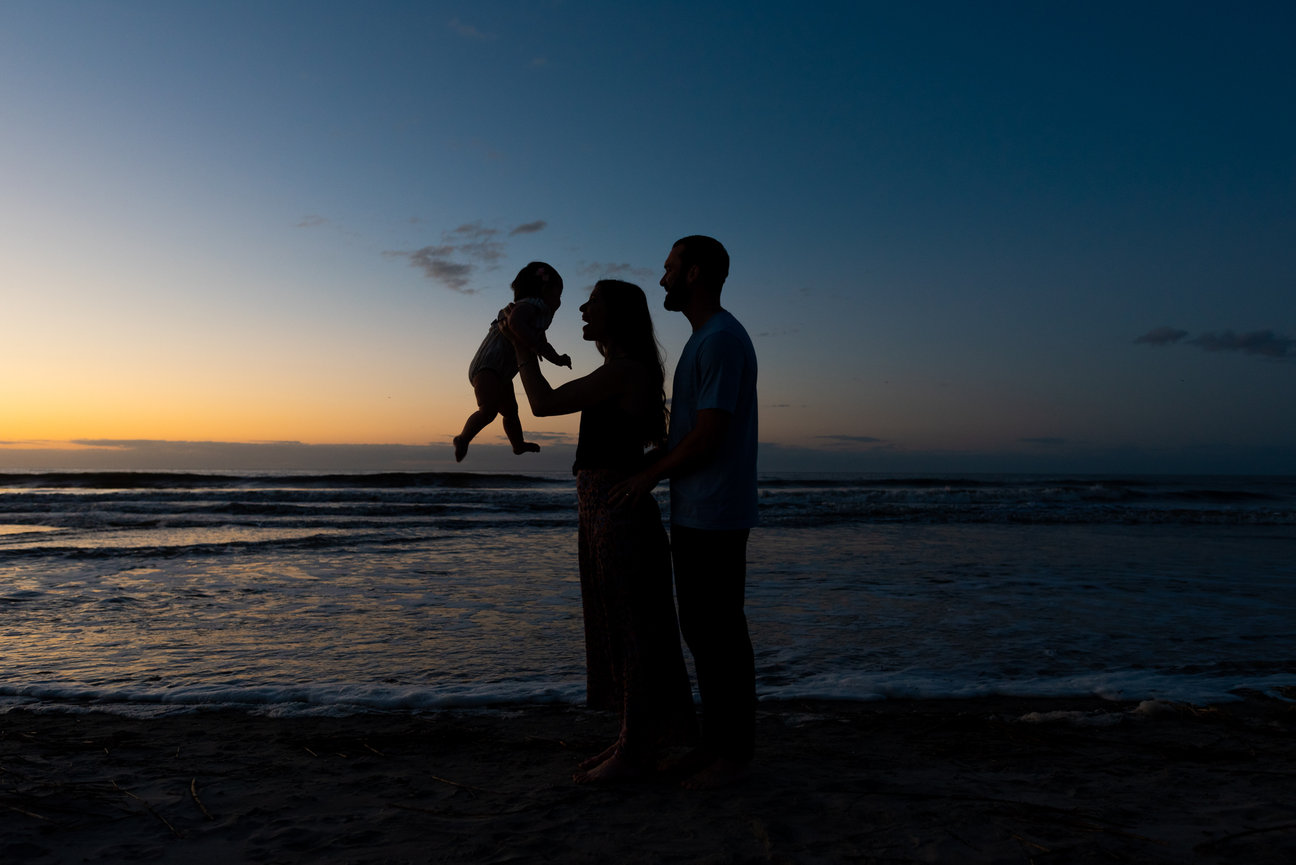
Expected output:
(692, 274)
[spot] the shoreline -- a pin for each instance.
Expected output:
(996, 779)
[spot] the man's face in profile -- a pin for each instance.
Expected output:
(675, 283)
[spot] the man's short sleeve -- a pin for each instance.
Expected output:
(721, 358)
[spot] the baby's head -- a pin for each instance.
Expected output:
(540, 280)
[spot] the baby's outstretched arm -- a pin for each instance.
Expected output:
(521, 321)
(549, 353)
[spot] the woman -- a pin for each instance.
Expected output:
(631, 634)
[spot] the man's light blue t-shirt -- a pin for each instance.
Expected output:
(717, 370)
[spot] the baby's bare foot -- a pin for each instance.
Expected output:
(461, 448)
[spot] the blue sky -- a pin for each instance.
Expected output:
(965, 236)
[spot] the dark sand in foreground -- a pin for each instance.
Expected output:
(994, 780)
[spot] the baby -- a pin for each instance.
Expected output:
(537, 294)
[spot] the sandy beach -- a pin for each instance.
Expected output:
(993, 780)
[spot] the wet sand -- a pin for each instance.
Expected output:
(1014, 780)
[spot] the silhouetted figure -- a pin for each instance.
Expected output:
(632, 642)
(711, 463)
(537, 294)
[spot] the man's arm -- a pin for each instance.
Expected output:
(693, 452)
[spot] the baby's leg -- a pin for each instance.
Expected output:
(513, 425)
(513, 429)
(489, 387)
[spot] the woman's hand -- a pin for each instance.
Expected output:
(522, 347)
(505, 319)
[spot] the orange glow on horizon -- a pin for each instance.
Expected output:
(305, 421)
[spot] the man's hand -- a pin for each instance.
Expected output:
(564, 360)
(631, 490)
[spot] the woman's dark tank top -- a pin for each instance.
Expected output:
(610, 438)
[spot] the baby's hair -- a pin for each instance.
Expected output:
(533, 279)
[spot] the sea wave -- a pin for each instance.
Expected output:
(285, 700)
(336, 699)
(382, 508)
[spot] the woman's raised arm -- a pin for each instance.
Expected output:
(609, 380)
(576, 395)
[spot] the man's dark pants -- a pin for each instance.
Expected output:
(710, 580)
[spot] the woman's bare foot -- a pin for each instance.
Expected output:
(613, 769)
(461, 448)
(526, 448)
(721, 773)
(601, 757)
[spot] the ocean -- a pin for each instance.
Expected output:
(331, 594)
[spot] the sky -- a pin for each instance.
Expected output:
(965, 237)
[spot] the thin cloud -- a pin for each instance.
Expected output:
(477, 241)
(552, 438)
(455, 260)
(529, 228)
(852, 440)
(1162, 336)
(1260, 343)
(437, 266)
(468, 31)
(1264, 343)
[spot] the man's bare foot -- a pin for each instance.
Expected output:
(461, 448)
(526, 448)
(602, 757)
(612, 770)
(686, 765)
(722, 773)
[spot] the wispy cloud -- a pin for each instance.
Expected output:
(462, 251)
(1261, 343)
(437, 266)
(551, 438)
(468, 31)
(1162, 336)
(1265, 343)
(312, 221)
(852, 440)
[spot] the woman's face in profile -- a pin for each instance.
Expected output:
(594, 314)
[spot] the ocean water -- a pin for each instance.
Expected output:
(145, 593)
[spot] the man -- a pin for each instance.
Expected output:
(711, 461)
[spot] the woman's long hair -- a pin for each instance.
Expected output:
(630, 329)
